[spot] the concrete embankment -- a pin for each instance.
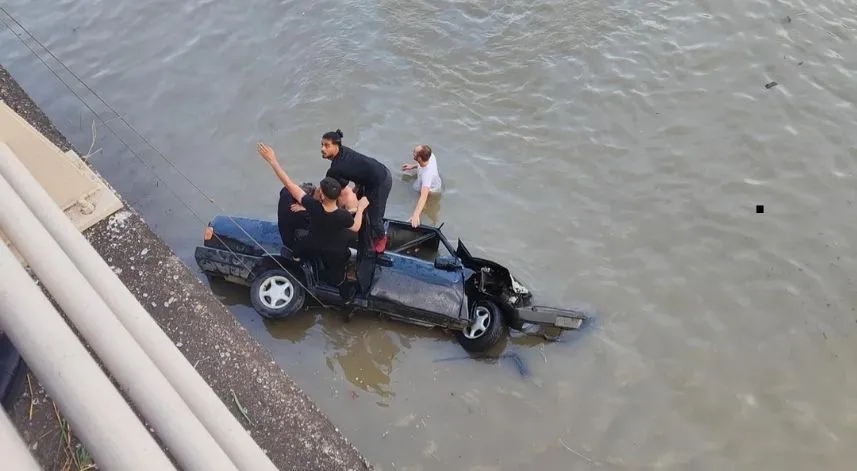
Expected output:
(280, 417)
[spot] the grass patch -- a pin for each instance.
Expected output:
(77, 458)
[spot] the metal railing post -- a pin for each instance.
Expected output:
(188, 440)
(225, 428)
(100, 415)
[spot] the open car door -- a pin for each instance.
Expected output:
(365, 257)
(462, 251)
(424, 289)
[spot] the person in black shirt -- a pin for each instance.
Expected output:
(372, 178)
(327, 223)
(293, 220)
(293, 225)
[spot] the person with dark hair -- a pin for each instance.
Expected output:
(347, 199)
(294, 224)
(327, 223)
(428, 179)
(372, 179)
(293, 220)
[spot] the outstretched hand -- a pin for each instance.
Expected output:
(415, 221)
(267, 152)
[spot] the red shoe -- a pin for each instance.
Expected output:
(381, 244)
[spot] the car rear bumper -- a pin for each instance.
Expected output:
(219, 262)
(566, 319)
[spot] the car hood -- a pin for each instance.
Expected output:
(476, 264)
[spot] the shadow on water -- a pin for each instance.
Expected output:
(294, 329)
(363, 351)
(230, 294)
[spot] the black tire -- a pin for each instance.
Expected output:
(273, 305)
(489, 332)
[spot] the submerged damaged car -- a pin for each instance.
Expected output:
(419, 279)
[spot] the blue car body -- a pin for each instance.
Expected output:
(421, 278)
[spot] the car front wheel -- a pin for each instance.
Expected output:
(485, 328)
(275, 294)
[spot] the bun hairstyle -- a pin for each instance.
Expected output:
(333, 136)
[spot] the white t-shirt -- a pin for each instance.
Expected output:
(429, 176)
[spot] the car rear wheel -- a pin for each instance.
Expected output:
(275, 294)
(485, 328)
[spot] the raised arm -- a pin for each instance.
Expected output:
(270, 156)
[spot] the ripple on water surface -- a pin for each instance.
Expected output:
(609, 153)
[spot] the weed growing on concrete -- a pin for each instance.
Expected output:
(77, 458)
(241, 407)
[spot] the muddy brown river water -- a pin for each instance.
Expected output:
(611, 153)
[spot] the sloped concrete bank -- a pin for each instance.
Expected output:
(280, 417)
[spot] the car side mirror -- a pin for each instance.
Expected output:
(447, 263)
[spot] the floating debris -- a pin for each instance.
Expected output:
(770, 85)
(522, 367)
(578, 453)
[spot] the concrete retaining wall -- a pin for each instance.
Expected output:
(280, 417)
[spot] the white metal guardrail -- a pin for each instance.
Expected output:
(107, 425)
(195, 425)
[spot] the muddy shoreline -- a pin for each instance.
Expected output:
(280, 417)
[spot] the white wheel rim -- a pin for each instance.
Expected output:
(479, 323)
(276, 292)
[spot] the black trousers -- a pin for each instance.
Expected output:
(378, 204)
(289, 223)
(336, 264)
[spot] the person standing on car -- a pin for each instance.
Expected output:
(327, 223)
(372, 179)
(428, 179)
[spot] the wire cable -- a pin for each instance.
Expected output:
(119, 117)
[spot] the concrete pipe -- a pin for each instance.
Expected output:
(100, 415)
(186, 437)
(234, 439)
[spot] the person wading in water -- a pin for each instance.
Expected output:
(428, 179)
